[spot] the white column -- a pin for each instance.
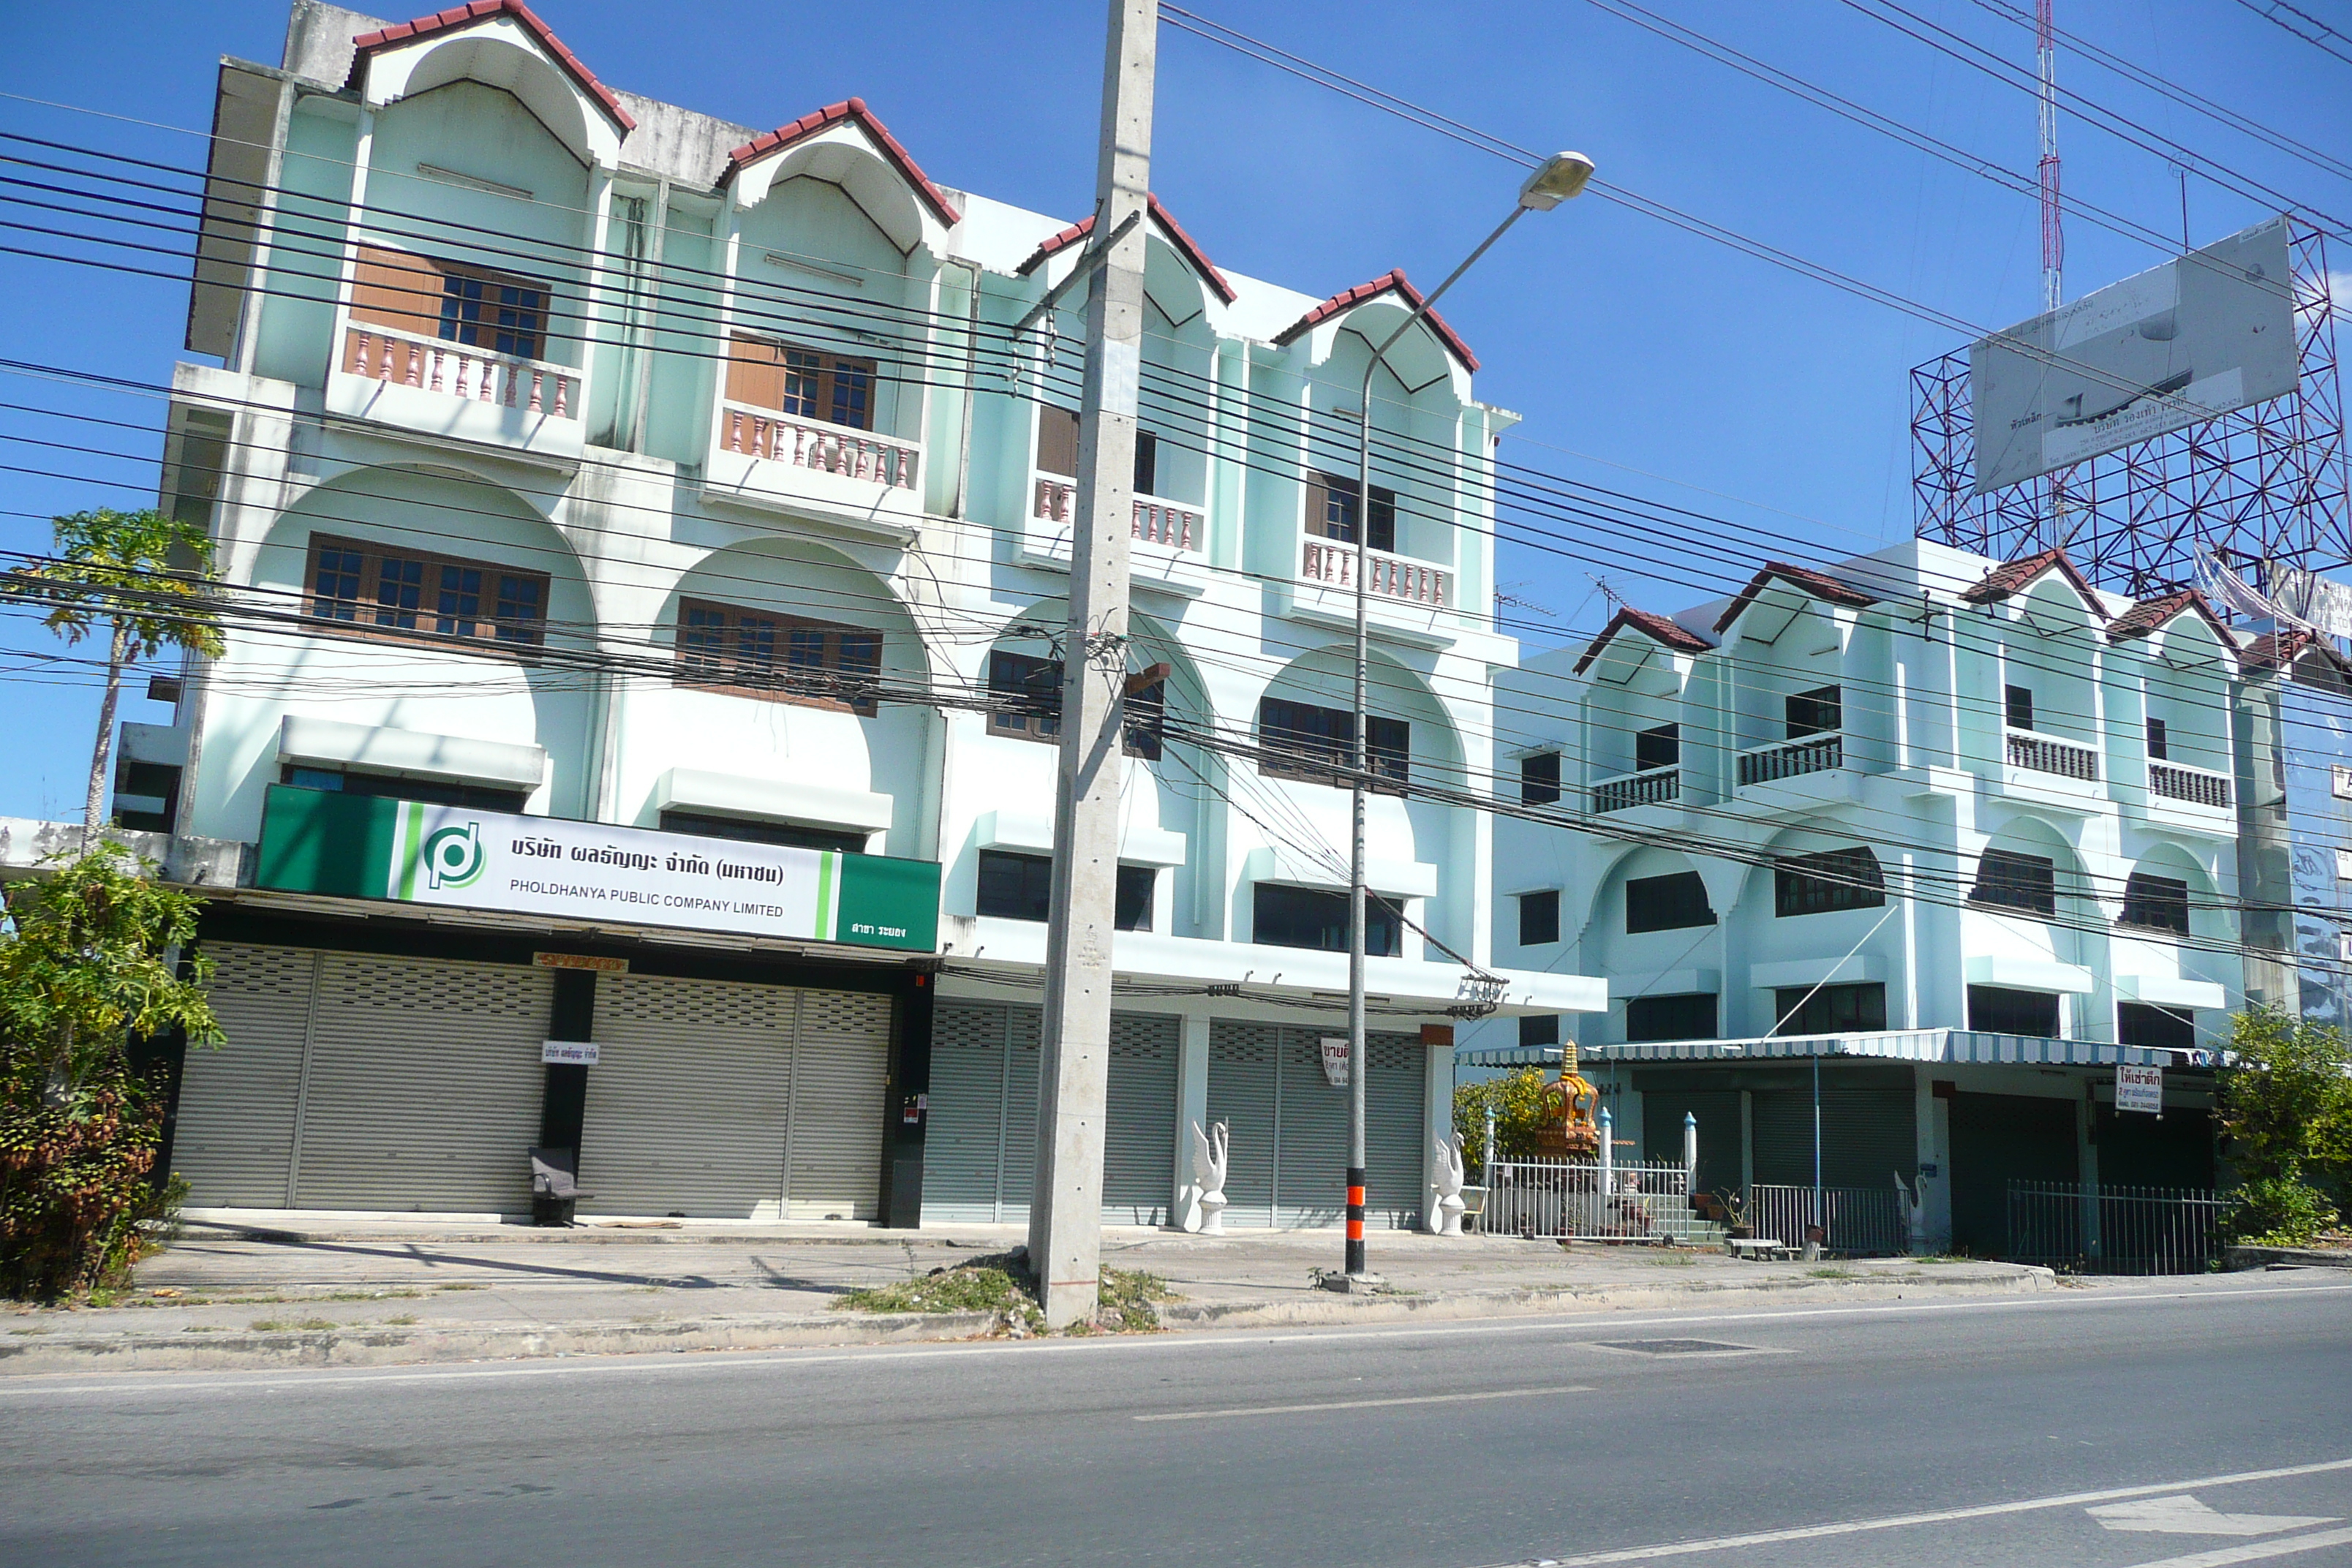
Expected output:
(1192, 1107)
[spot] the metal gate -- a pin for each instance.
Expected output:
(2086, 1228)
(1855, 1222)
(1547, 1199)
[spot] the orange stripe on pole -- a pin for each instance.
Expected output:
(1356, 1195)
(1355, 1231)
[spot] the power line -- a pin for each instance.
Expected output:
(2304, 25)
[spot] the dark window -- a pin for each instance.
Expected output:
(1021, 887)
(1833, 879)
(746, 831)
(1658, 748)
(1145, 711)
(1540, 917)
(1303, 741)
(365, 584)
(2158, 1028)
(487, 310)
(1331, 511)
(1815, 712)
(1133, 903)
(1540, 779)
(1538, 1030)
(1685, 1018)
(2018, 701)
(2159, 746)
(1998, 1010)
(752, 653)
(434, 791)
(1857, 1009)
(809, 383)
(1147, 463)
(1284, 916)
(155, 781)
(2012, 882)
(2157, 903)
(1028, 692)
(1667, 903)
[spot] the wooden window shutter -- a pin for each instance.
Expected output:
(755, 372)
(393, 288)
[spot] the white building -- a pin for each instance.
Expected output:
(584, 464)
(1962, 834)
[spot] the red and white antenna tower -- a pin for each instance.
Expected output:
(2054, 237)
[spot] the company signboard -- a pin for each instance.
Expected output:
(319, 841)
(2185, 341)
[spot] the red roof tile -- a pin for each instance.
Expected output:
(1185, 243)
(1658, 628)
(1347, 300)
(809, 124)
(482, 11)
(1814, 583)
(2275, 651)
(2150, 613)
(2012, 577)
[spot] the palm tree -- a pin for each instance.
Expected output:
(145, 579)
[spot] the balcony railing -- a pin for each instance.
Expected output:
(455, 370)
(2198, 786)
(1650, 786)
(1788, 759)
(1332, 564)
(1157, 521)
(819, 446)
(2045, 754)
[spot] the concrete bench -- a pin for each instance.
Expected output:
(1758, 1247)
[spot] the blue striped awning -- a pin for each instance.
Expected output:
(1944, 1046)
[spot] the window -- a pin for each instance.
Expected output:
(1301, 741)
(1540, 779)
(2156, 903)
(1690, 1017)
(366, 584)
(1331, 511)
(1658, 748)
(1998, 1010)
(2158, 1028)
(436, 791)
(1538, 1030)
(1029, 690)
(155, 781)
(1283, 916)
(2012, 882)
(1673, 903)
(1021, 887)
(2159, 746)
(1147, 463)
(1815, 712)
(1540, 917)
(744, 830)
(752, 653)
(1823, 883)
(1145, 712)
(2018, 701)
(809, 383)
(451, 301)
(1857, 1009)
(1058, 450)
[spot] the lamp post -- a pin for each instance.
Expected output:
(1562, 175)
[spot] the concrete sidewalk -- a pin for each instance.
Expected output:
(282, 1290)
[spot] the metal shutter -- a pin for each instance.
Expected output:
(1312, 1165)
(841, 1059)
(688, 1100)
(234, 1142)
(1246, 1094)
(1869, 1135)
(1018, 1183)
(1396, 1114)
(963, 1143)
(423, 1085)
(1783, 1132)
(1140, 1122)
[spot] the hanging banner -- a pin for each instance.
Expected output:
(2139, 1088)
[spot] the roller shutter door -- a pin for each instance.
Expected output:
(1782, 1128)
(963, 1141)
(1018, 1183)
(234, 1142)
(1869, 1135)
(1311, 1167)
(1244, 1093)
(423, 1085)
(1396, 1111)
(1140, 1126)
(687, 1101)
(841, 1059)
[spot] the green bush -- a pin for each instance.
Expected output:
(2286, 1108)
(2276, 1211)
(1516, 1099)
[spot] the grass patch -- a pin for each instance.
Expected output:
(285, 1325)
(201, 1329)
(1833, 1274)
(969, 1288)
(461, 1287)
(402, 1321)
(1127, 1301)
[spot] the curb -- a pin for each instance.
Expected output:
(2236, 1258)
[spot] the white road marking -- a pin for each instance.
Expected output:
(1948, 1516)
(2184, 1515)
(2221, 1556)
(1362, 1403)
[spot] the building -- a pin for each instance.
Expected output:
(648, 538)
(1921, 845)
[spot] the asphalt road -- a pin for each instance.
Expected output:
(2197, 1417)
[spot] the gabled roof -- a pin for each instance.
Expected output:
(2012, 577)
(817, 120)
(2276, 650)
(1657, 628)
(1185, 243)
(1813, 583)
(2150, 613)
(482, 11)
(1347, 300)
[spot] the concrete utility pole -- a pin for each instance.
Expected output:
(1065, 1217)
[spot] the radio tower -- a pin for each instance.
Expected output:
(2053, 237)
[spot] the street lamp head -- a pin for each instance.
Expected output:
(1563, 175)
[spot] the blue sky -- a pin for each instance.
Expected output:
(1644, 358)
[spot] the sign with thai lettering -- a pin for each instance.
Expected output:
(2139, 1088)
(1335, 1060)
(569, 1053)
(366, 846)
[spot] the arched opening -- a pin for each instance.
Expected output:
(2023, 933)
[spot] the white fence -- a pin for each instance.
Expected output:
(1556, 1199)
(1862, 1222)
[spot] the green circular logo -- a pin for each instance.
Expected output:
(453, 856)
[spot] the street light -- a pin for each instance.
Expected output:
(1561, 177)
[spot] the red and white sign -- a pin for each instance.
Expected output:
(1334, 1059)
(2139, 1088)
